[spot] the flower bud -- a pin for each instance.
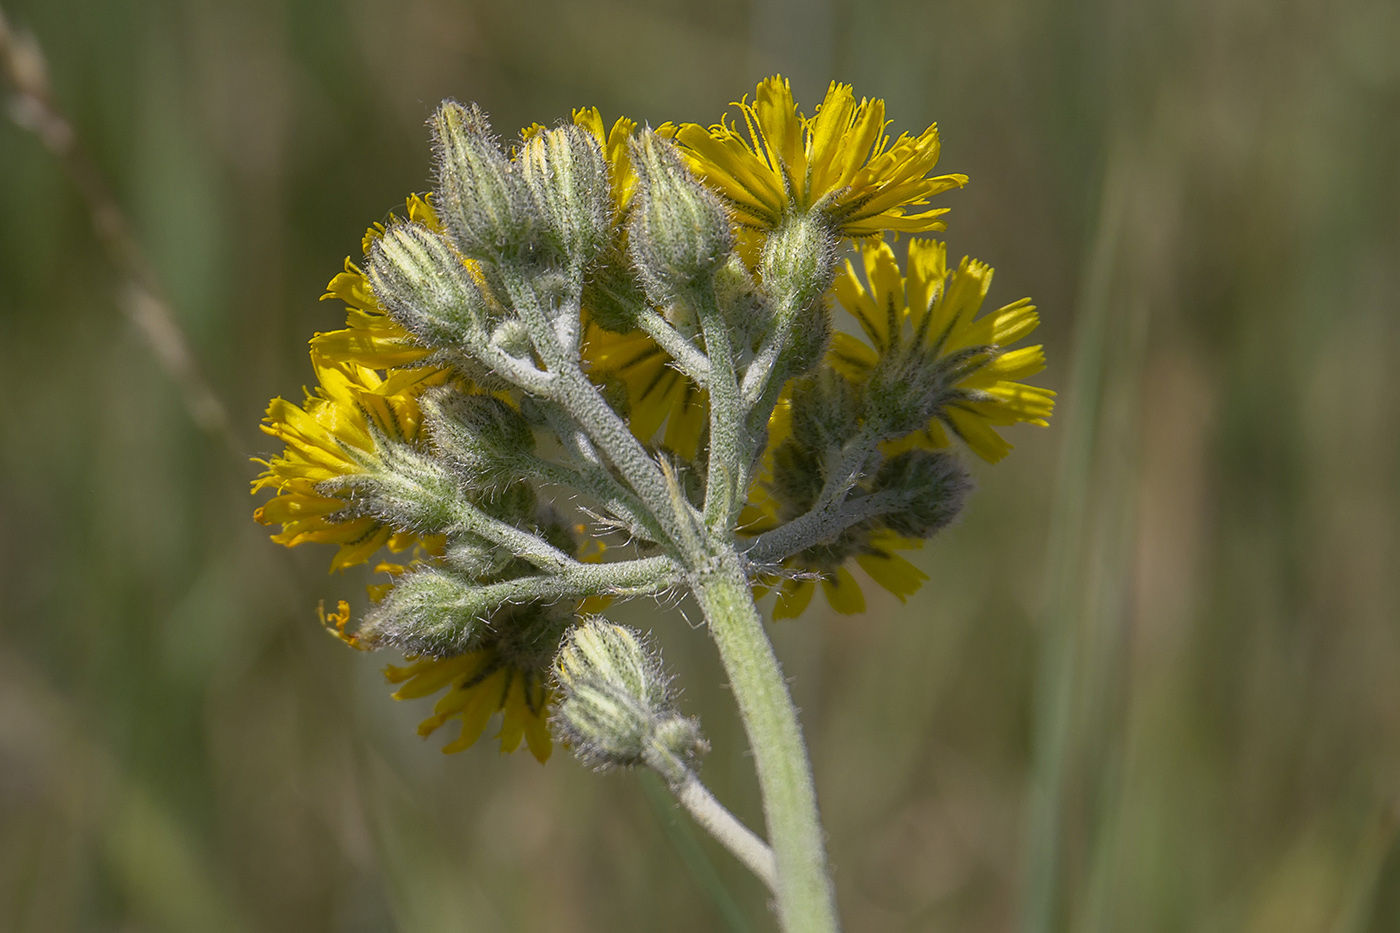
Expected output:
(826, 409)
(615, 706)
(742, 303)
(798, 262)
(567, 177)
(403, 487)
(907, 388)
(933, 483)
(476, 557)
(424, 284)
(811, 335)
(479, 434)
(431, 612)
(679, 234)
(612, 295)
(483, 203)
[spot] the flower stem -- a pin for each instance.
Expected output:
(804, 895)
(725, 827)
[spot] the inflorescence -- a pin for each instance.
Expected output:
(590, 365)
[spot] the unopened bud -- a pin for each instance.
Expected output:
(615, 707)
(811, 334)
(479, 434)
(680, 231)
(425, 285)
(612, 294)
(907, 389)
(798, 262)
(483, 203)
(476, 557)
(565, 173)
(512, 336)
(431, 612)
(826, 409)
(741, 303)
(402, 486)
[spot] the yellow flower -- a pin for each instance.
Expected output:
(875, 555)
(331, 435)
(509, 674)
(874, 551)
(613, 141)
(839, 162)
(932, 313)
(479, 684)
(372, 338)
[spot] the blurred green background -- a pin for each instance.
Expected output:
(1152, 685)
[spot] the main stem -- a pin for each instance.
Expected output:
(805, 900)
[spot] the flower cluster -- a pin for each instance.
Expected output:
(584, 366)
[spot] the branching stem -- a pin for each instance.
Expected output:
(621, 578)
(582, 400)
(822, 524)
(687, 357)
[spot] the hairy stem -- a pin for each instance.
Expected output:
(686, 357)
(728, 450)
(582, 400)
(595, 481)
(821, 525)
(518, 541)
(627, 578)
(804, 896)
(725, 827)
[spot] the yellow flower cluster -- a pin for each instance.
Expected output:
(840, 165)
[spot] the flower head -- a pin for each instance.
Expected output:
(506, 670)
(330, 436)
(509, 674)
(616, 706)
(873, 548)
(839, 162)
(876, 554)
(926, 342)
(615, 150)
(371, 337)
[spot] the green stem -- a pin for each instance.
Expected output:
(713, 816)
(804, 896)
(727, 450)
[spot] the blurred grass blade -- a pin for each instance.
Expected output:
(32, 107)
(696, 859)
(1057, 672)
(1358, 907)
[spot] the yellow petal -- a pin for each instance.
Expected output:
(432, 674)
(514, 714)
(893, 572)
(843, 592)
(793, 597)
(485, 699)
